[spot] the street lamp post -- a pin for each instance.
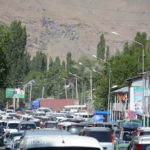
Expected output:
(65, 88)
(108, 102)
(115, 33)
(91, 81)
(83, 88)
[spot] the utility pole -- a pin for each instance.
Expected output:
(43, 92)
(30, 92)
(77, 89)
(91, 87)
(65, 88)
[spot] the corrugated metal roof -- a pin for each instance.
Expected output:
(122, 90)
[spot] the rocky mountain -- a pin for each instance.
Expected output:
(60, 26)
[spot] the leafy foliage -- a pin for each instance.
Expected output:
(101, 48)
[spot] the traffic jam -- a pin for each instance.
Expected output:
(46, 129)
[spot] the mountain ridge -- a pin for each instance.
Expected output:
(60, 26)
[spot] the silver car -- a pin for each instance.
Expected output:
(140, 143)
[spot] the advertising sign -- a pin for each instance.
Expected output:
(14, 93)
(10, 92)
(138, 97)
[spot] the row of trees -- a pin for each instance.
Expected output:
(53, 80)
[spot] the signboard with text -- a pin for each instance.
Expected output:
(138, 99)
(14, 93)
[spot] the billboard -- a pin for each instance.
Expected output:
(14, 93)
(138, 104)
(138, 99)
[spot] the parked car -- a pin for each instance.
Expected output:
(50, 124)
(37, 123)
(143, 131)
(140, 143)
(1, 135)
(15, 143)
(75, 128)
(103, 135)
(10, 136)
(106, 124)
(12, 125)
(26, 125)
(128, 132)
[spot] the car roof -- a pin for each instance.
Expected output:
(27, 122)
(145, 139)
(46, 132)
(13, 121)
(97, 129)
(59, 141)
(144, 128)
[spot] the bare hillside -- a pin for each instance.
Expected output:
(59, 26)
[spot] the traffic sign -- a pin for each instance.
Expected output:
(132, 115)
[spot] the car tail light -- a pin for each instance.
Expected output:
(137, 133)
(94, 125)
(61, 127)
(138, 147)
(84, 134)
(112, 137)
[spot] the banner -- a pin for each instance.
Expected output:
(138, 99)
(14, 93)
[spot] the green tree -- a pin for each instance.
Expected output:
(101, 48)
(39, 62)
(51, 62)
(4, 42)
(70, 62)
(126, 48)
(15, 54)
(107, 53)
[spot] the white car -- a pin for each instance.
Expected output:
(57, 142)
(12, 125)
(9, 140)
(15, 143)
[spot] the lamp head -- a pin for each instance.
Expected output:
(80, 63)
(115, 33)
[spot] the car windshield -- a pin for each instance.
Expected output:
(27, 127)
(116, 133)
(145, 133)
(14, 135)
(64, 148)
(75, 129)
(13, 126)
(37, 124)
(101, 136)
(128, 135)
(50, 125)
